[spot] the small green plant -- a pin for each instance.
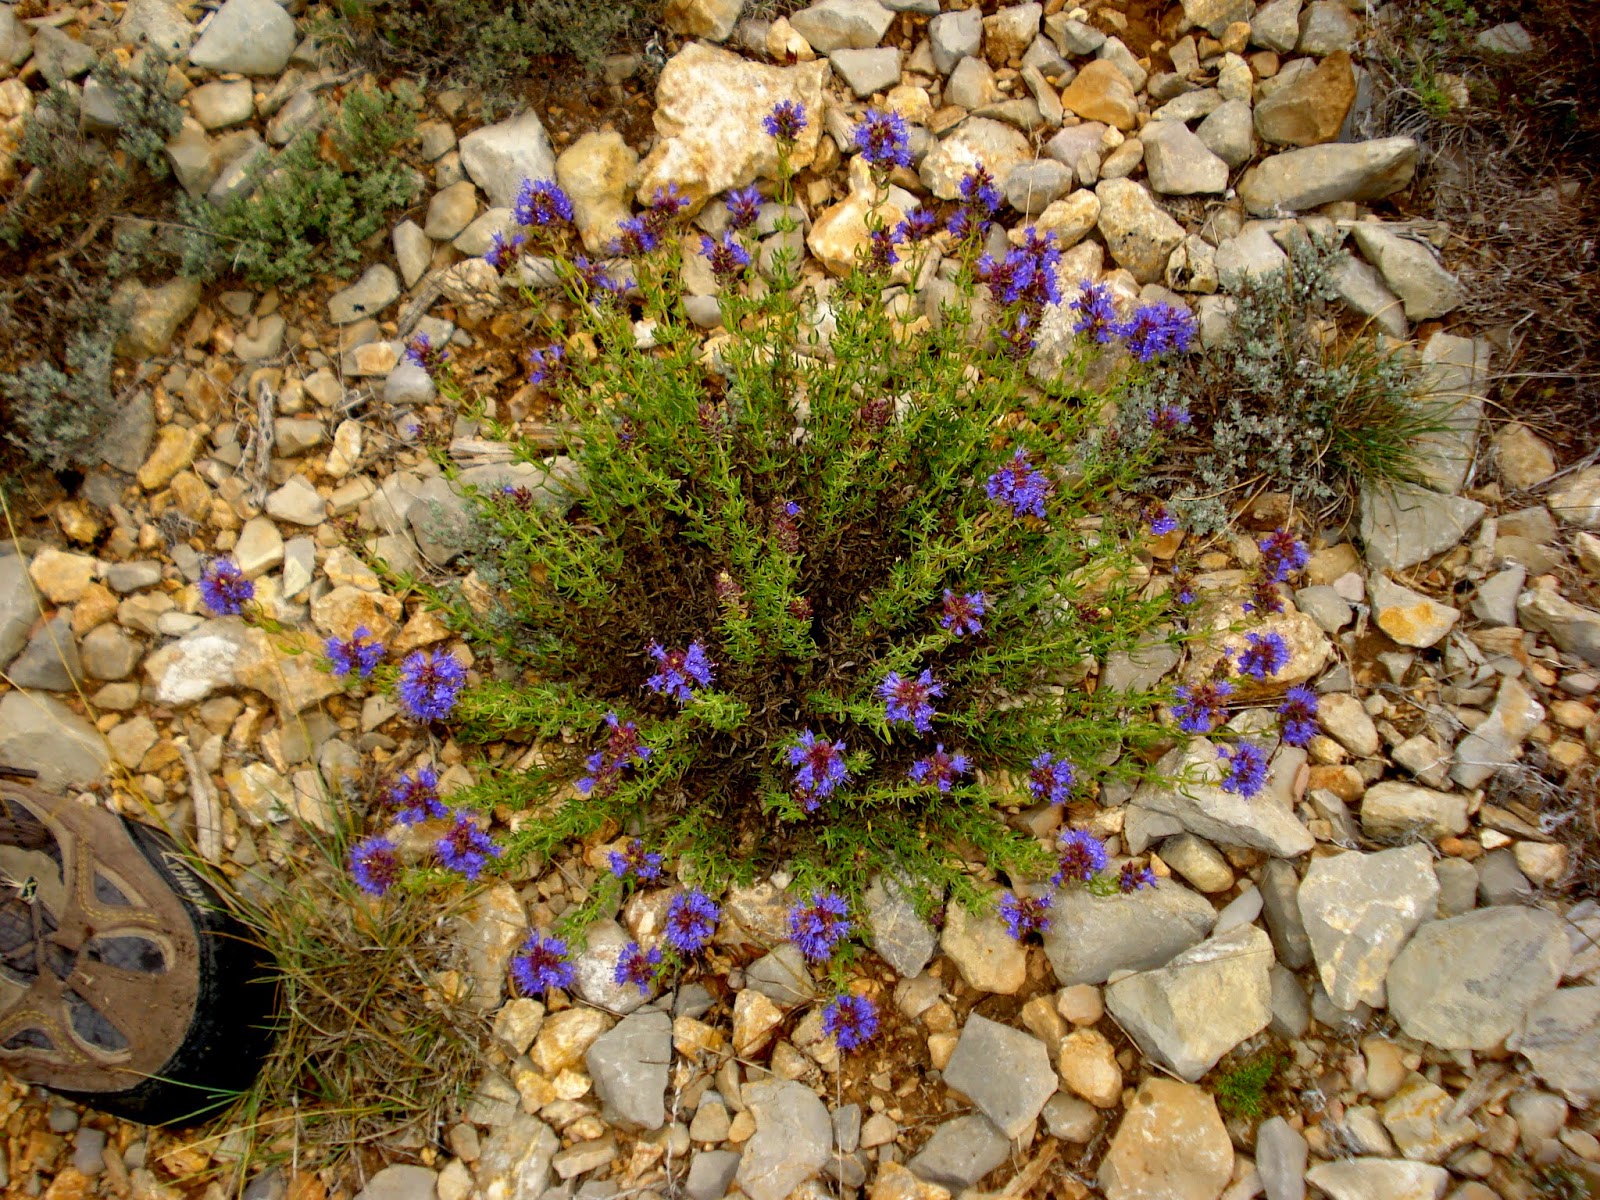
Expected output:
(310, 210)
(1242, 1090)
(146, 117)
(1558, 1181)
(60, 412)
(1449, 21)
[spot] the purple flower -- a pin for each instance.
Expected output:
(541, 964)
(1025, 914)
(1021, 486)
(1169, 418)
(880, 249)
(1247, 769)
(1051, 779)
(1134, 878)
(1200, 708)
(635, 860)
(851, 1021)
(417, 797)
(1267, 654)
(540, 202)
(691, 920)
(820, 767)
(665, 203)
(595, 280)
(637, 966)
(907, 699)
(546, 363)
(224, 588)
(466, 848)
(1097, 315)
(882, 139)
(638, 237)
(429, 684)
(961, 613)
(622, 751)
(421, 352)
(977, 188)
(1155, 329)
(744, 206)
(728, 258)
(1282, 555)
(503, 249)
(1298, 714)
(918, 226)
(820, 925)
(939, 768)
(1161, 520)
(785, 525)
(785, 121)
(1082, 857)
(360, 653)
(680, 671)
(1264, 597)
(374, 865)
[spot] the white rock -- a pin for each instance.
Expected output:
(499, 157)
(253, 37)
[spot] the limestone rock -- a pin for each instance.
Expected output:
(1359, 910)
(712, 19)
(1006, 1073)
(1497, 742)
(1090, 937)
(1171, 1145)
(1309, 109)
(1570, 626)
(1379, 1179)
(1101, 92)
(1198, 802)
(252, 37)
(515, 1161)
(1577, 500)
(987, 956)
(1419, 1119)
(499, 157)
(1138, 232)
(1392, 810)
(596, 172)
(1178, 162)
(154, 314)
(1409, 617)
(1316, 175)
(1411, 269)
(841, 233)
(999, 147)
(835, 24)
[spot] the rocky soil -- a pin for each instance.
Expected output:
(1401, 916)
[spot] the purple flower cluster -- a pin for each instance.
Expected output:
(1282, 554)
(919, 225)
(727, 257)
(374, 865)
(540, 202)
(883, 140)
(642, 234)
(1298, 716)
(421, 352)
(786, 121)
(638, 966)
(359, 654)
(819, 926)
(980, 201)
(430, 682)
(691, 920)
(1247, 769)
(1025, 914)
(939, 768)
(786, 525)
(416, 797)
(1082, 856)
(1161, 520)
(744, 206)
(851, 1021)
(1051, 779)
(622, 751)
(820, 768)
(466, 848)
(224, 589)
(880, 249)
(637, 861)
(503, 249)
(961, 613)
(1135, 878)
(1027, 274)
(1169, 418)
(596, 282)
(1097, 314)
(1155, 329)
(1267, 654)
(546, 363)
(1200, 708)
(908, 700)
(541, 965)
(680, 671)
(1021, 486)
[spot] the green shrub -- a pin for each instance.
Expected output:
(308, 215)
(1242, 1090)
(59, 412)
(801, 512)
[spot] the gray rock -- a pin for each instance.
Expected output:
(711, 1174)
(302, 113)
(499, 157)
(1297, 180)
(1393, 810)
(1411, 269)
(1561, 1038)
(1249, 257)
(1466, 983)
(18, 608)
(412, 251)
(1092, 936)
(1072, 142)
(1496, 599)
(1325, 606)
(629, 1067)
(902, 939)
(400, 1182)
(1363, 291)
(867, 71)
(1500, 881)
(1345, 720)
(242, 173)
(1202, 1004)
(1291, 1015)
(50, 660)
(831, 25)
(1070, 1119)
(1379, 1179)
(1031, 187)
(39, 733)
(961, 1152)
(252, 37)
(1496, 743)
(59, 56)
(408, 386)
(595, 970)
(1198, 801)
(1359, 910)
(88, 1150)
(109, 653)
(1006, 1073)
(515, 1161)
(781, 976)
(1572, 627)
(1327, 26)
(792, 1141)
(158, 25)
(1281, 1154)
(1140, 669)
(1179, 163)
(1401, 525)
(1276, 26)
(1214, 16)
(1458, 886)
(297, 502)
(1229, 132)
(1190, 106)
(366, 297)
(266, 342)
(1510, 39)
(1280, 898)
(223, 103)
(953, 36)
(1074, 37)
